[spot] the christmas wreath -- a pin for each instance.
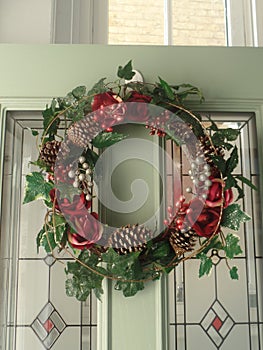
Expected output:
(76, 131)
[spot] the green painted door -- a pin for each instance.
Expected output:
(230, 78)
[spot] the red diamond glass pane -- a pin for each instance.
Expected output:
(217, 323)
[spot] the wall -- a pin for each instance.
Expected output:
(25, 21)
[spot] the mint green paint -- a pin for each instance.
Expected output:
(61, 67)
(224, 74)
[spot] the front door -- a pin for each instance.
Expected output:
(178, 313)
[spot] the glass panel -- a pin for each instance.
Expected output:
(198, 22)
(35, 311)
(136, 22)
(188, 22)
(215, 311)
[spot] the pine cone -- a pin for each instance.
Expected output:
(49, 152)
(82, 132)
(208, 150)
(128, 239)
(182, 242)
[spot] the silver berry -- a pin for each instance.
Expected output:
(88, 197)
(81, 177)
(202, 177)
(85, 166)
(71, 174)
(188, 189)
(76, 184)
(82, 159)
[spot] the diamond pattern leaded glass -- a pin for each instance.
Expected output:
(38, 315)
(216, 312)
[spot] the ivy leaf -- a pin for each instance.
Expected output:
(230, 182)
(232, 161)
(232, 247)
(98, 88)
(246, 181)
(110, 256)
(60, 227)
(167, 89)
(188, 90)
(46, 240)
(79, 92)
(78, 287)
(230, 134)
(106, 139)
(233, 216)
(220, 163)
(91, 157)
(241, 193)
(161, 250)
(50, 122)
(67, 190)
(234, 273)
(84, 280)
(126, 72)
(205, 264)
(215, 243)
(129, 289)
(36, 187)
(33, 132)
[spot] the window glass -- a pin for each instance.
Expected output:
(188, 22)
(198, 22)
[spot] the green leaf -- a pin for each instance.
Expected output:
(67, 190)
(241, 193)
(110, 256)
(129, 289)
(246, 181)
(33, 132)
(162, 249)
(233, 216)
(205, 264)
(126, 72)
(46, 240)
(232, 247)
(106, 139)
(50, 122)
(215, 243)
(232, 161)
(91, 157)
(98, 88)
(78, 288)
(36, 187)
(84, 280)
(230, 182)
(167, 89)
(234, 273)
(60, 227)
(188, 89)
(79, 92)
(219, 162)
(230, 134)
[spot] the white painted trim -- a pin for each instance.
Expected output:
(103, 342)
(79, 22)
(100, 22)
(259, 21)
(168, 22)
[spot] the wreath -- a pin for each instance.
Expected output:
(76, 131)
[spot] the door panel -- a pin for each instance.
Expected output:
(228, 313)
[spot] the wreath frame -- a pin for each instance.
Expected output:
(93, 264)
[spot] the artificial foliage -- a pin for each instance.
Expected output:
(132, 255)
